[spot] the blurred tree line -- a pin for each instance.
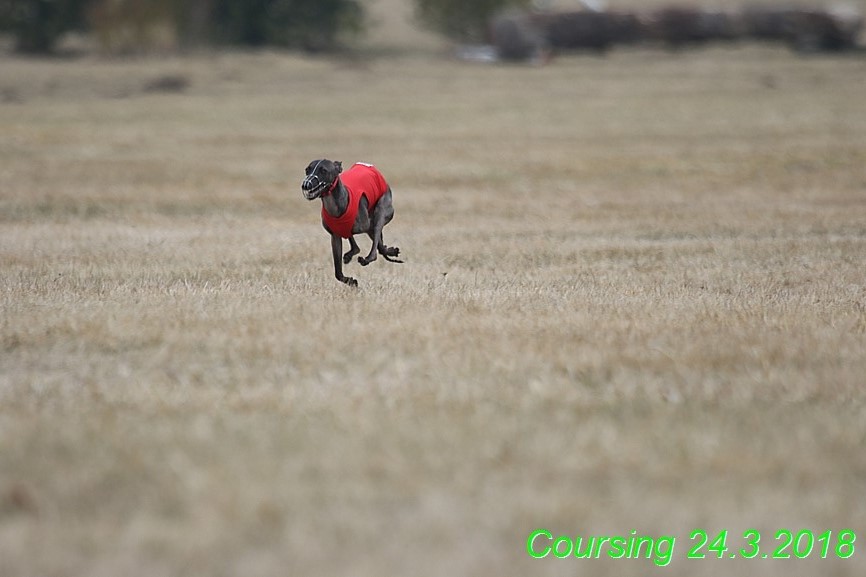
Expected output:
(138, 25)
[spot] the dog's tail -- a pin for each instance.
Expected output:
(392, 259)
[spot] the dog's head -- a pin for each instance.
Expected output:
(321, 175)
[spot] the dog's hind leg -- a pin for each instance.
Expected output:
(376, 236)
(353, 250)
(382, 215)
(389, 252)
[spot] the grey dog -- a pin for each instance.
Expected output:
(355, 202)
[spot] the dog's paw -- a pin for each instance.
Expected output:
(392, 251)
(347, 258)
(350, 281)
(365, 261)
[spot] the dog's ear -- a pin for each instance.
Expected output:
(339, 166)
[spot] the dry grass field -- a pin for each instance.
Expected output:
(634, 299)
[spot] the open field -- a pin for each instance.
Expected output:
(634, 299)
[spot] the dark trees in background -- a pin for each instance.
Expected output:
(37, 25)
(309, 24)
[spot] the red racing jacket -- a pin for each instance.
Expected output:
(360, 180)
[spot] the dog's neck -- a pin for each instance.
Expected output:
(337, 201)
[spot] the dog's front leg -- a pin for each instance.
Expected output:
(337, 251)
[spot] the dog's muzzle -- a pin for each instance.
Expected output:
(313, 187)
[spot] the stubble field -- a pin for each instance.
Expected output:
(634, 298)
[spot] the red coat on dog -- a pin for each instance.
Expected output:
(360, 180)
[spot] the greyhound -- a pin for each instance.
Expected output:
(359, 201)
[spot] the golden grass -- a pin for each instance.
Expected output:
(633, 299)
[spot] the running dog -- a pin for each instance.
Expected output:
(353, 202)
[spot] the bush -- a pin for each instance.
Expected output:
(461, 20)
(129, 26)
